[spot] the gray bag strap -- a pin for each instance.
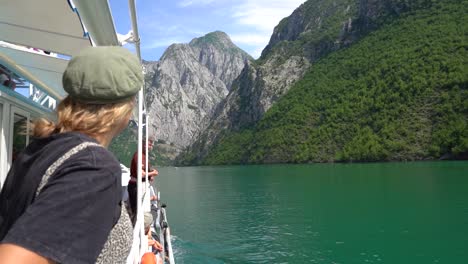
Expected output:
(52, 168)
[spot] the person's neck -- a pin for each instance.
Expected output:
(104, 140)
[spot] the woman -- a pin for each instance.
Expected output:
(132, 183)
(61, 202)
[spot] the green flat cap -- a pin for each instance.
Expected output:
(102, 75)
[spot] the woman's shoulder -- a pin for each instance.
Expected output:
(100, 157)
(88, 149)
(79, 142)
(78, 150)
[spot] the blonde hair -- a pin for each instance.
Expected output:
(90, 119)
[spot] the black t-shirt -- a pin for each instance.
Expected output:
(71, 218)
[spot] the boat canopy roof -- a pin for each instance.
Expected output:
(61, 27)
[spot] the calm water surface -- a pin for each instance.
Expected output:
(324, 213)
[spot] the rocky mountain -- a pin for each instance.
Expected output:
(186, 85)
(314, 30)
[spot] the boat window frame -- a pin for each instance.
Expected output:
(4, 134)
(29, 109)
(16, 110)
(2, 143)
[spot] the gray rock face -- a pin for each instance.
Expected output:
(252, 94)
(315, 29)
(295, 44)
(256, 90)
(186, 85)
(220, 56)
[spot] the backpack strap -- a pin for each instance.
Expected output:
(52, 168)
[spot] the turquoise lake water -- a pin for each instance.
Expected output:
(320, 213)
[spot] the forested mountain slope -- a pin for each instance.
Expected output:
(314, 30)
(400, 93)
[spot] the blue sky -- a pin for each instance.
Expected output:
(249, 23)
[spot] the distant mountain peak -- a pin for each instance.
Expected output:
(215, 37)
(218, 40)
(187, 83)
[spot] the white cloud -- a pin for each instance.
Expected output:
(257, 52)
(249, 23)
(186, 3)
(162, 43)
(161, 36)
(250, 39)
(251, 42)
(258, 18)
(264, 15)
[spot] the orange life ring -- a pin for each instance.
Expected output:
(148, 258)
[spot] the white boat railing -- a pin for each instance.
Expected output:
(143, 123)
(170, 253)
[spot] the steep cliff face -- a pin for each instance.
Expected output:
(255, 90)
(320, 26)
(184, 87)
(220, 56)
(315, 29)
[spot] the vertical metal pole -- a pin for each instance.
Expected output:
(136, 36)
(139, 165)
(146, 148)
(4, 137)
